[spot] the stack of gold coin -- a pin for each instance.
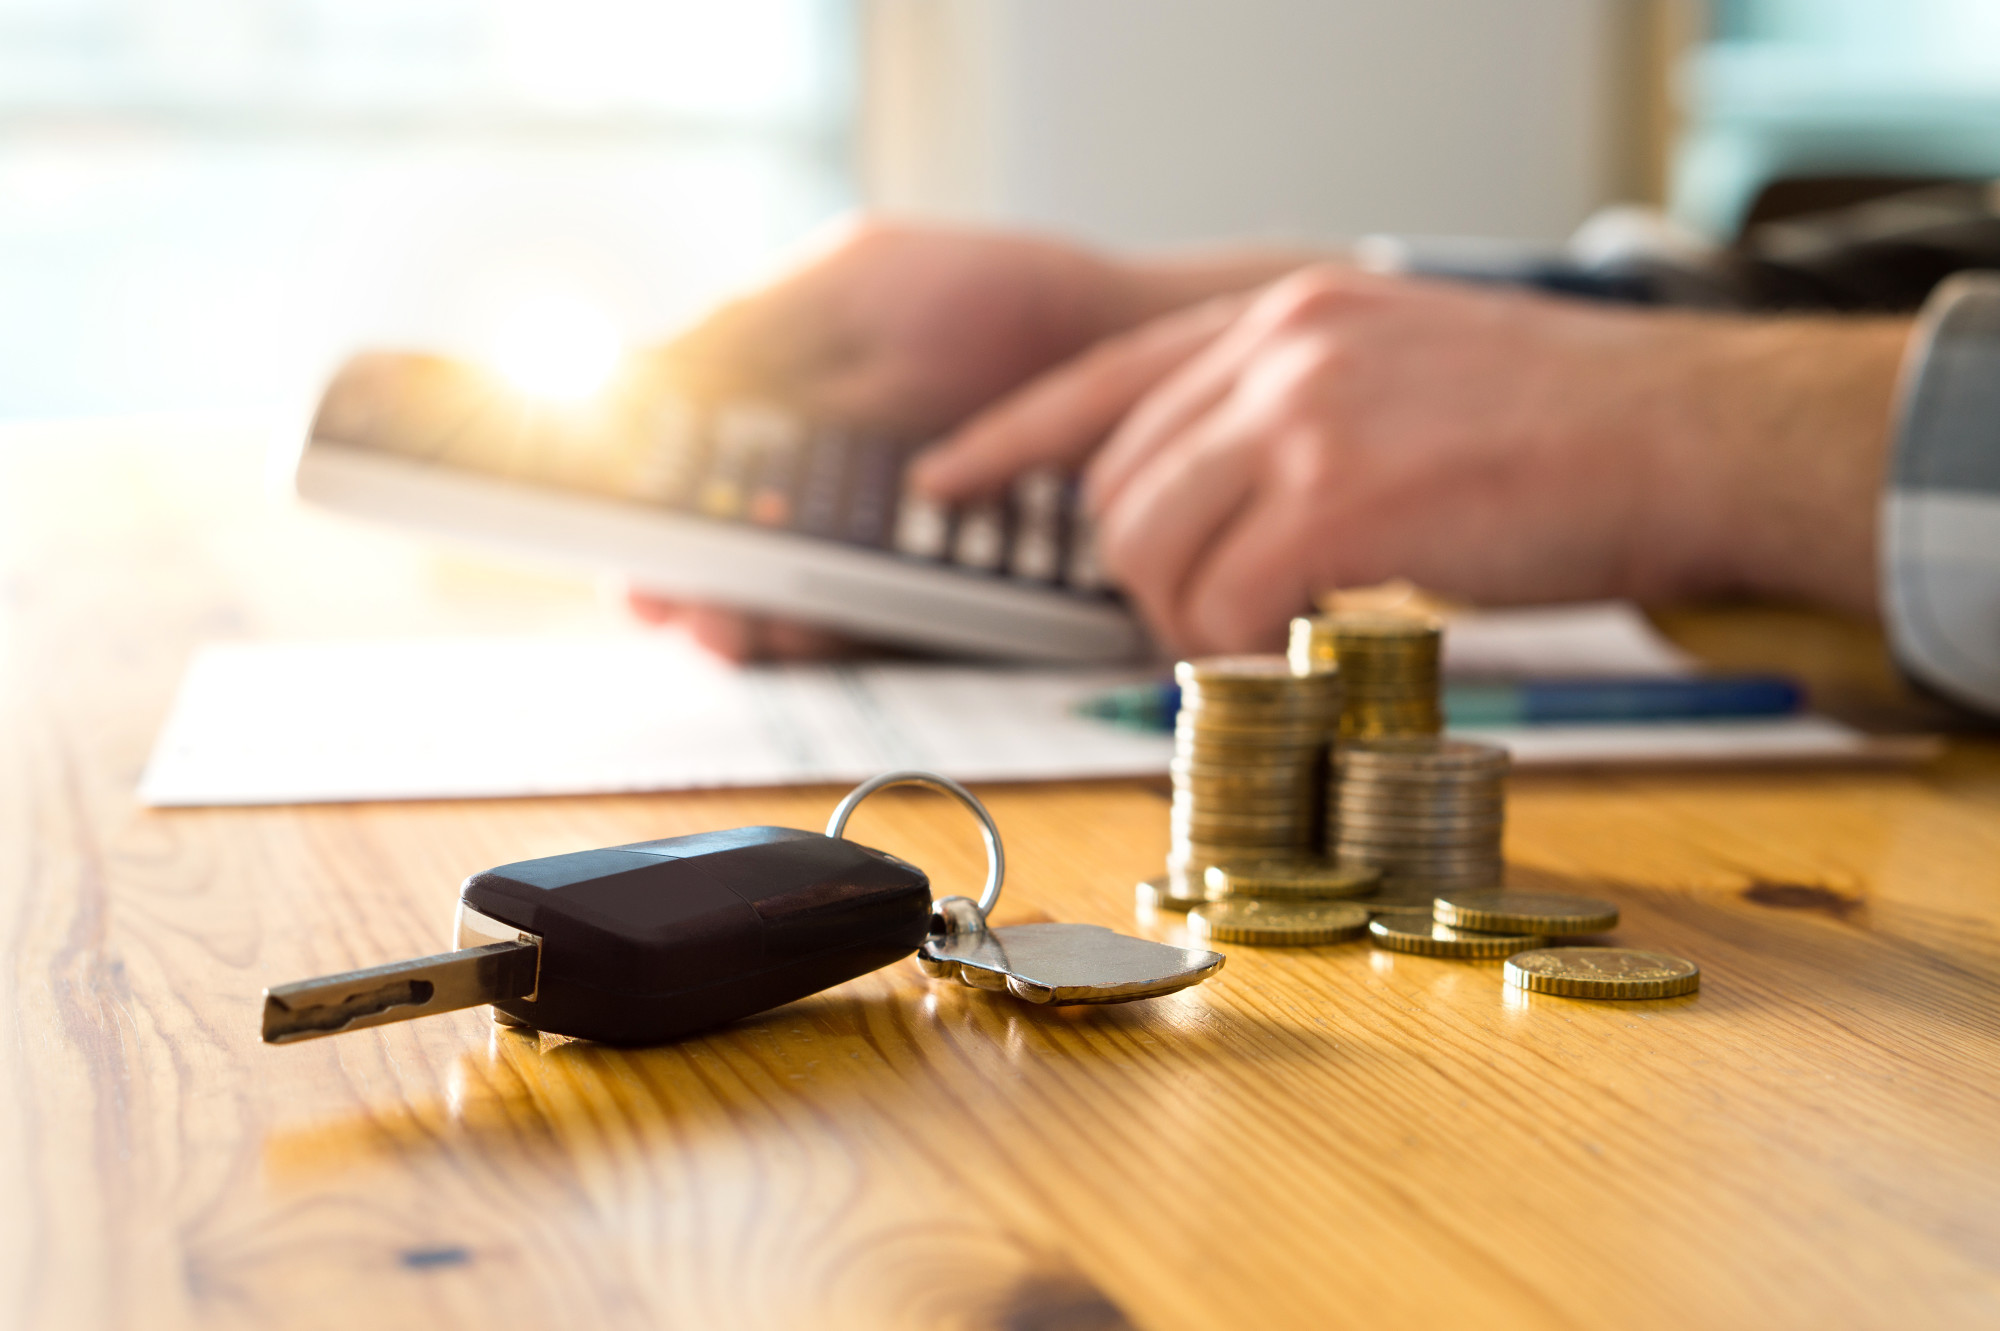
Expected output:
(1249, 748)
(1426, 811)
(1388, 665)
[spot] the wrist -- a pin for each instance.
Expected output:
(1779, 445)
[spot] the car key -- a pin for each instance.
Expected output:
(646, 942)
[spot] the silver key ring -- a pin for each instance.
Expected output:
(996, 860)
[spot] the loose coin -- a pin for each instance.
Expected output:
(1602, 972)
(1414, 912)
(1553, 913)
(1431, 939)
(1272, 922)
(1170, 891)
(1295, 880)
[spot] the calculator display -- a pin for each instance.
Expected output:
(738, 461)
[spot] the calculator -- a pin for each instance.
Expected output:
(733, 502)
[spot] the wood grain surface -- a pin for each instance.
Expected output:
(1319, 1137)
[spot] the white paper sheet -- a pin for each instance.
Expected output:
(1593, 638)
(265, 723)
(280, 723)
(1783, 740)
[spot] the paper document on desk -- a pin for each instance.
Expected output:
(456, 718)
(1590, 639)
(272, 723)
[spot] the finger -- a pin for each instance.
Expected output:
(1167, 413)
(773, 338)
(1253, 577)
(786, 640)
(1303, 297)
(728, 634)
(1060, 415)
(653, 609)
(1164, 519)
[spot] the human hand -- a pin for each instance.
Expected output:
(908, 329)
(739, 636)
(905, 327)
(1343, 428)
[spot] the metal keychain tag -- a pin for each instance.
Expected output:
(1037, 963)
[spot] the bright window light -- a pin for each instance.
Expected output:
(210, 204)
(555, 345)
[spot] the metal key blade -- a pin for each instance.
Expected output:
(400, 991)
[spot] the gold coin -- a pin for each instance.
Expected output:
(1298, 745)
(1602, 972)
(1412, 723)
(1294, 880)
(1392, 898)
(1192, 728)
(1414, 912)
(1360, 830)
(1170, 891)
(1553, 913)
(1223, 793)
(1422, 754)
(1427, 794)
(1448, 844)
(1283, 818)
(1312, 648)
(1431, 939)
(1317, 699)
(1271, 922)
(1252, 679)
(1217, 834)
(1418, 859)
(1389, 624)
(1192, 858)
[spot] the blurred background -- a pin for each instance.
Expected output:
(204, 203)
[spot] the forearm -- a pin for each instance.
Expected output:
(1773, 447)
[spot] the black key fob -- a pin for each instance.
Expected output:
(658, 939)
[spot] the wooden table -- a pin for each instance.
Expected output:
(1318, 1137)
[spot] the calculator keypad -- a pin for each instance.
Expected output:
(736, 462)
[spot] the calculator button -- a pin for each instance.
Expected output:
(1037, 552)
(981, 542)
(923, 527)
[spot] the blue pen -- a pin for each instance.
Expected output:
(1578, 701)
(1583, 701)
(1136, 706)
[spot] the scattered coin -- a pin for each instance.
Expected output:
(1273, 922)
(1170, 891)
(1602, 972)
(1428, 938)
(1416, 912)
(1293, 880)
(1553, 913)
